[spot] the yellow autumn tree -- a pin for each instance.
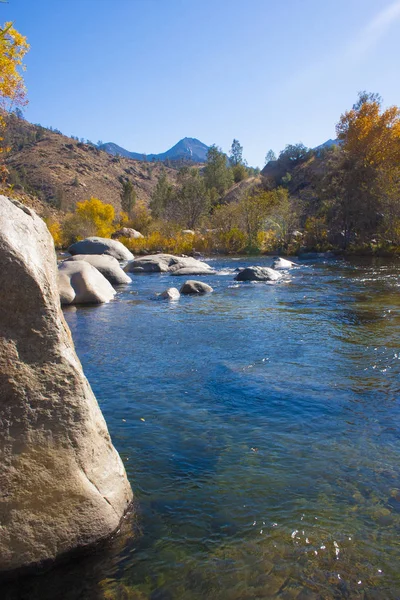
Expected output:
(54, 227)
(13, 47)
(97, 215)
(370, 168)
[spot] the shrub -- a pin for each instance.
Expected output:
(97, 213)
(232, 241)
(316, 233)
(267, 241)
(55, 229)
(239, 173)
(75, 228)
(141, 218)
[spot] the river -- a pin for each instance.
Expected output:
(259, 426)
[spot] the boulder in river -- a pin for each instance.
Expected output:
(170, 293)
(258, 274)
(81, 283)
(192, 287)
(108, 266)
(167, 263)
(127, 232)
(99, 245)
(282, 263)
(63, 485)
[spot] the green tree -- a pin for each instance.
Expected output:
(191, 200)
(254, 211)
(236, 155)
(239, 172)
(283, 217)
(286, 179)
(161, 196)
(294, 154)
(217, 174)
(128, 196)
(18, 112)
(270, 156)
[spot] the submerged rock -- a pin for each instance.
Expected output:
(258, 274)
(81, 283)
(170, 294)
(99, 245)
(63, 485)
(191, 287)
(168, 263)
(193, 270)
(316, 255)
(282, 263)
(108, 266)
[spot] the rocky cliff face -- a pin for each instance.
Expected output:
(62, 483)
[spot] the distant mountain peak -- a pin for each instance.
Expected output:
(328, 144)
(186, 149)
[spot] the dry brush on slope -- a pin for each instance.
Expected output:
(61, 171)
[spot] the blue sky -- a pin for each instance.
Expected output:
(145, 73)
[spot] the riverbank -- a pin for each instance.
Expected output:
(219, 245)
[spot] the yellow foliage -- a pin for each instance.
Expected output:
(225, 242)
(123, 219)
(13, 47)
(230, 242)
(55, 229)
(97, 214)
(267, 241)
(156, 242)
(141, 217)
(371, 135)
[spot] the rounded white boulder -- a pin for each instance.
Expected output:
(80, 283)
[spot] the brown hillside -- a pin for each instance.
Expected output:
(61, 171)
(305, 177)
(239, 190)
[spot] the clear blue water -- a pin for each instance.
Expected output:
(259, 426)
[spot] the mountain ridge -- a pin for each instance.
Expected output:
(190, 149)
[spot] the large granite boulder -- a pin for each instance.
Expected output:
(280, 263)
(62, 484)
(167, 263)
(99, 245)
(258, 274)
(80, 283)
(193, 288)
(127, 232)
(108, 266)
